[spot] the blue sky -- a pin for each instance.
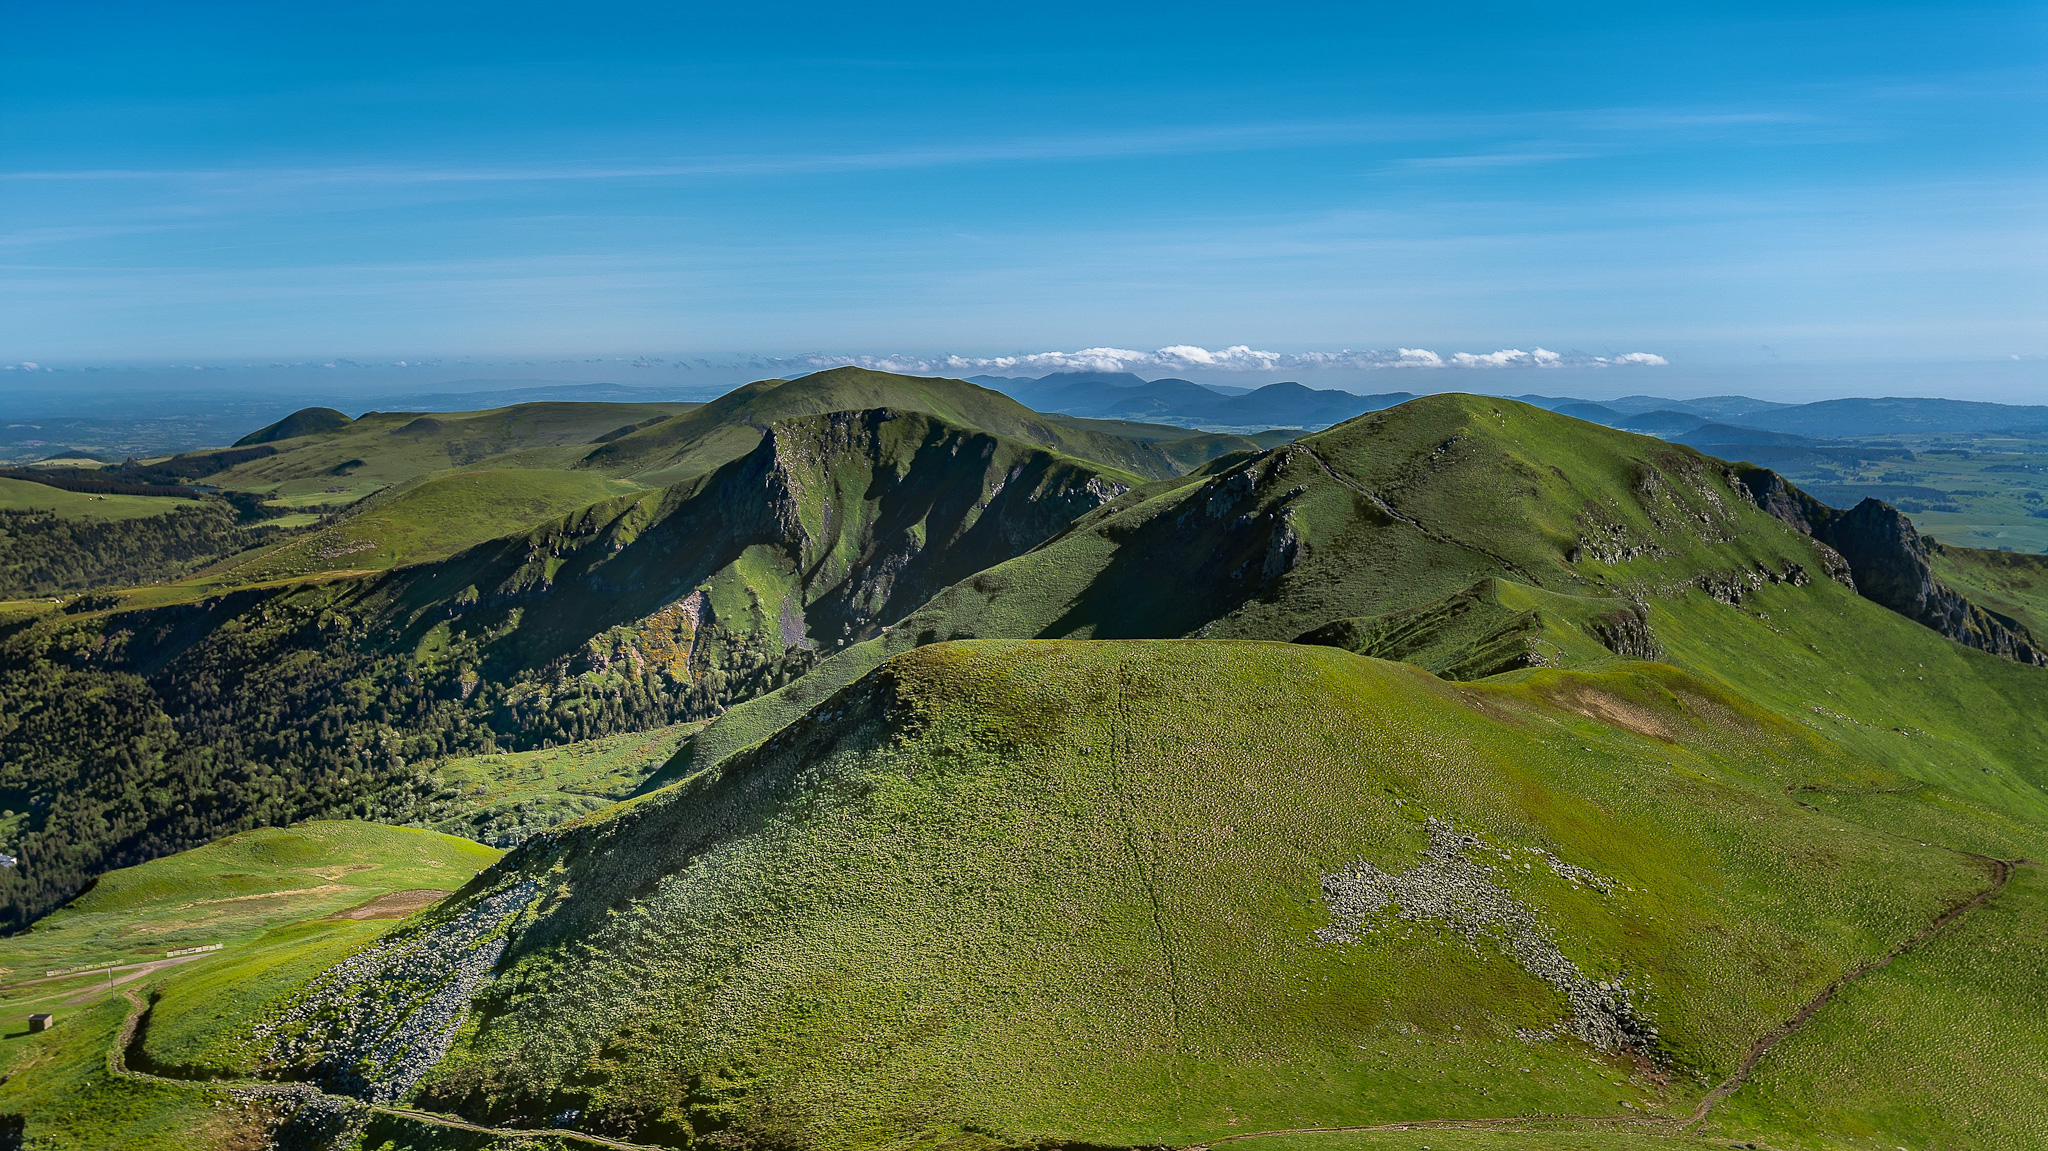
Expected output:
(1723, 184)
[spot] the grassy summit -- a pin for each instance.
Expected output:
(704, 437)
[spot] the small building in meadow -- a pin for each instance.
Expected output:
(41, 1021)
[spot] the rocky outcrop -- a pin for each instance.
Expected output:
(370, 1026)
(1888, 563)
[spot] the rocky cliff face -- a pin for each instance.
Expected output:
(1889, 564)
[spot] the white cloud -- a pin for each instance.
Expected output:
(1191, 357)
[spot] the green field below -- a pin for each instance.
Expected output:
(23, 495)
(434, 519)
(281, 904)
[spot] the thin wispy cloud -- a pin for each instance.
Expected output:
(1191, 140)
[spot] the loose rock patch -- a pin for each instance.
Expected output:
(1447, 887)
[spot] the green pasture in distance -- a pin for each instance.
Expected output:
(1981, 491)
(382, 450)
(229, 892)
(497, 795)
(285, 903)
(22, 495)
(436, 519)
(2011, 583)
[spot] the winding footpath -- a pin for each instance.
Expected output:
(117, 1064)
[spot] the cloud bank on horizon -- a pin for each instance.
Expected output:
(1236, 358)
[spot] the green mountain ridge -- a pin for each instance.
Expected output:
(1463, 763)
(696, 440)
(314, 698)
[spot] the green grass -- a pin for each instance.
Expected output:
(21, 495)
(59, 1081)
(435, 519)
(233, 891)
(2010, 583)
(1068, 891)
(386, 450)
(1945, 1044)
(269, 896)
(1559, 1138)
(516, 792)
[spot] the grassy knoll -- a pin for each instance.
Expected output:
(1072, 892)
(435, 519)
(283, 902)
(25, 495)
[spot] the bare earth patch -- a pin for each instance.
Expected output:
(393, 904)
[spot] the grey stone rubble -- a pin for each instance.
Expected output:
(373, 1024)
(311, 1121)
(1447, 887)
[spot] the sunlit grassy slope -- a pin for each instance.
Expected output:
(21, 495)
(2011, 583)
(511, 794)
(1071, 892)
(336, 467)
(283, 903)
(434, 519)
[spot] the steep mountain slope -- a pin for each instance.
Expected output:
(1385, 513)
(1657, 549)
(125, 735)
(704, 437)
(1028, 894)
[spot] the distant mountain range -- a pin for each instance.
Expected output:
(1707, 420)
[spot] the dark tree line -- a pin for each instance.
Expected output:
(122, 747)
(42, 553)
